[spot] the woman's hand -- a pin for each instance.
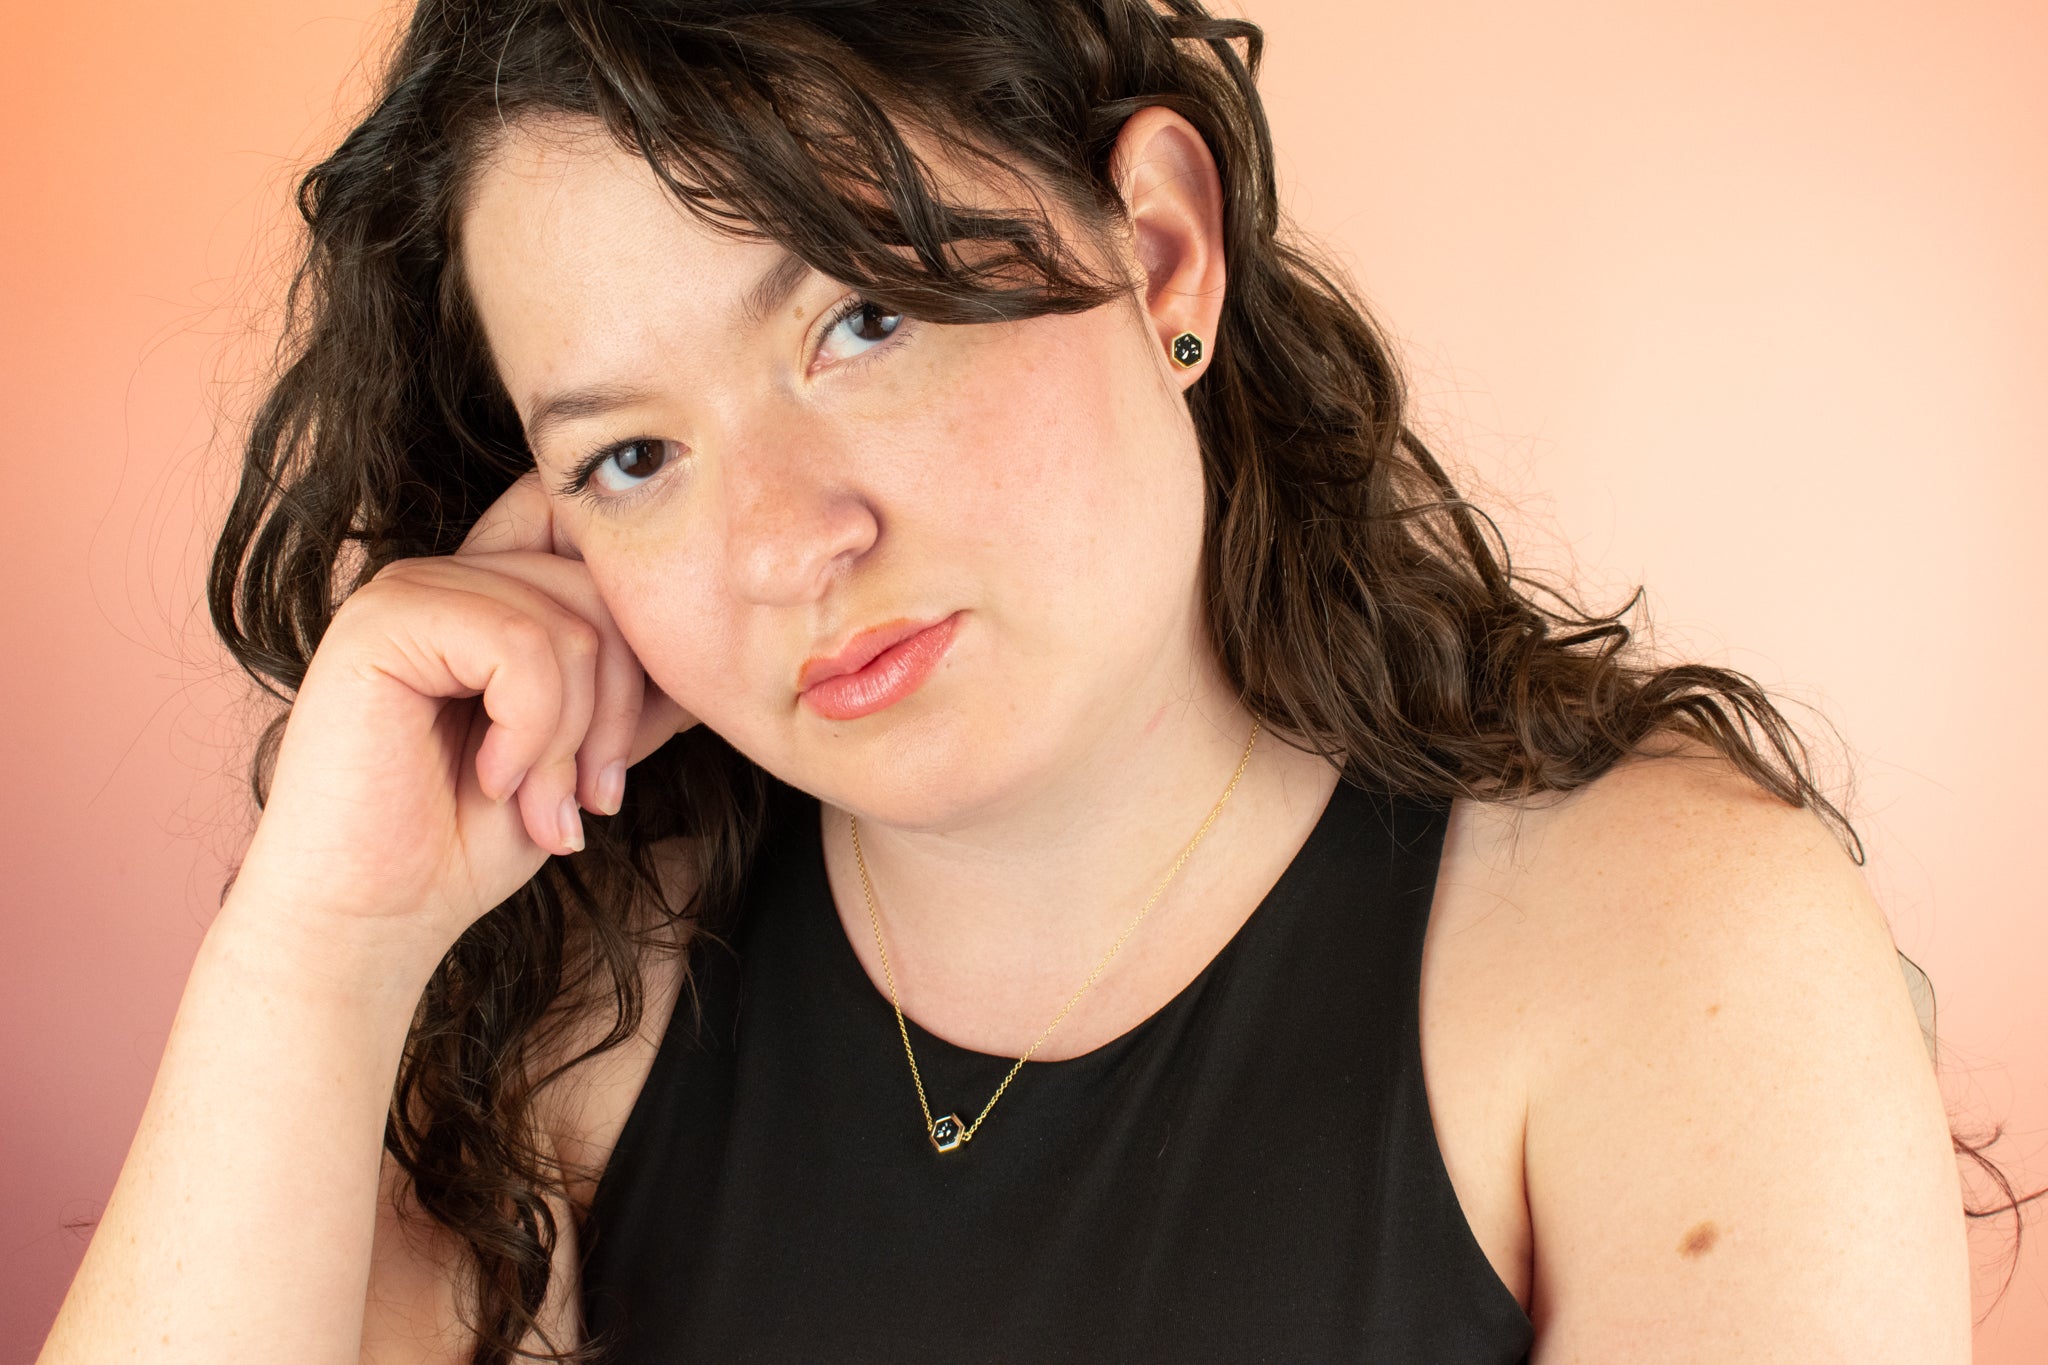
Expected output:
(456, 715)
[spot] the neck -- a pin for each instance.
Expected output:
(994, 920)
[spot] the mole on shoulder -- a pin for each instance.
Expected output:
(1699, 1240)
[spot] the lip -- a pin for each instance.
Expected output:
(876, 668)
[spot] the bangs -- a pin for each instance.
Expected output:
(772, 128)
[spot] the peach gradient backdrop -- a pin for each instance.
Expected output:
(1746, 302)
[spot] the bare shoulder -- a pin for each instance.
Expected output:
(1670, 854)
(1733, 1146)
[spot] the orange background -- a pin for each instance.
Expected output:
(1746, 302)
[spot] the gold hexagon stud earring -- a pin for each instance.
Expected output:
(1187, 350)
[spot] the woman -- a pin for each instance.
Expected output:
(899, 753)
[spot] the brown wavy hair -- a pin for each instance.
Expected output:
(1359, 603)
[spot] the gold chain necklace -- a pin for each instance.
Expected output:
(946, 1131)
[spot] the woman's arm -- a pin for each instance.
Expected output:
(1736, 1148)
(457, 713)
(241, 1225)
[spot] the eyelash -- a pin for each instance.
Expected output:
(577, 483)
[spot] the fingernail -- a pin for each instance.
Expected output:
(571, 826)
(611, 788)
(511, 787)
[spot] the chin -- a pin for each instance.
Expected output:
(919, 777)
(925, 769)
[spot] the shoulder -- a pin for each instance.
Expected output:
(1672, 858)
(1671, 852)
(1733, 1143)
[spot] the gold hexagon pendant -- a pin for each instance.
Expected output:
(947, 1133)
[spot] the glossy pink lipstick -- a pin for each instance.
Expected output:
(877, 668)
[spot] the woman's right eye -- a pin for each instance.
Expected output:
(623, 467)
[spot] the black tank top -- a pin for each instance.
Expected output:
(1251, 1174)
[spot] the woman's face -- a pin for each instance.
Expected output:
(768, 485)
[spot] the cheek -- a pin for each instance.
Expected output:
(1076, 466)
(677, 622)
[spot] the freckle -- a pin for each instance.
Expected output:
(1713, 1010)
(1700, 1240)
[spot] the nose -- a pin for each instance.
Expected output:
(793, 521)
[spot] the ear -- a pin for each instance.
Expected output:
(1168, 180)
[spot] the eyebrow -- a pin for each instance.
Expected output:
(774, 287)
(574, 405)
(768, 293)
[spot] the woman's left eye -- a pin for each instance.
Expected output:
(858, 327)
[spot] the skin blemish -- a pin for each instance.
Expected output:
(1713, 1010)
(1699, 1240)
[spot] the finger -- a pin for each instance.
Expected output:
(548, 793)
(549, 586)
(656, 720)
(558, 771)
(602, 760)
(531, 662)
(445, 643)
(632, 717)
(523, 698)
(522, 518)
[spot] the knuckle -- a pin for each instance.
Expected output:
(401, 585)
(403, 568)
(522, 634)
(365, 603)
(580, 639)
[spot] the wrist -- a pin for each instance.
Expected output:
(353, 958)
